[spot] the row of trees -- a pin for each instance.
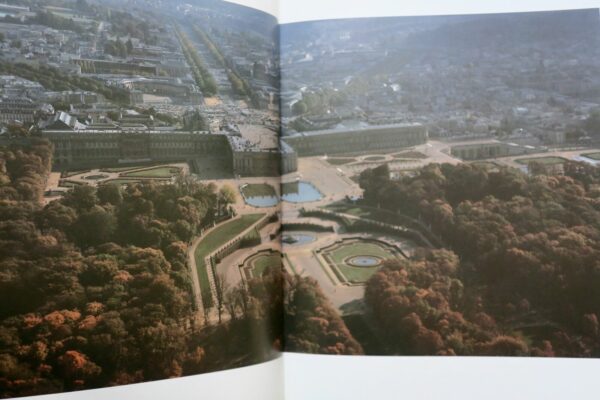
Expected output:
(201, 74)
(528, 249)
(53, 79)
(238, 84)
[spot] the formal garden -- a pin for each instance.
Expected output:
(340, 160)
(374, 158)
(259, 194)
(122, 175)
(255, 265)
(212, 241)
(355, 260)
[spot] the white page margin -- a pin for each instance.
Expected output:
(318, 377)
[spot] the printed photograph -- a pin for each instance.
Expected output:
(187, 186)
(131, 132)
(448, 188)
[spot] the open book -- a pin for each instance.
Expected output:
(189, 187)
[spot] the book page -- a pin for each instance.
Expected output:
(139, 216)
(445, 198)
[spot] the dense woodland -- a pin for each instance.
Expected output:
(95, 289)
(23, 172)
(519, 274)
(312, 325)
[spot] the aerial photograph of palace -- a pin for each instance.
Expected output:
(187, 187)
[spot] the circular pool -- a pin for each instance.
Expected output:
(363, 261)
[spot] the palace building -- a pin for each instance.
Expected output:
(375, 138)
(249, 160)
(491, 149)
(78, 145)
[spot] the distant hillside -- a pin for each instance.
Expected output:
(578, 26)
(235, 16)
(460, 31)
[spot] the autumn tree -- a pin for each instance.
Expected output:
(312, 325)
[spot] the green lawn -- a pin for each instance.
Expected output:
(156, 172)
(340, 161)
(123, 181)
(258, 190)
(374, 158)
(69, 184)
(119, 169)
(374, 214)
(551, 160)
(95, 177)
(212, 241)
(357, 274)
(410, 154)
(290, 187)
(347, 208)
(344, 207)
(593, 156)
(261, 263)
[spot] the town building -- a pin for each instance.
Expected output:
(92, 66)
(17, 109)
